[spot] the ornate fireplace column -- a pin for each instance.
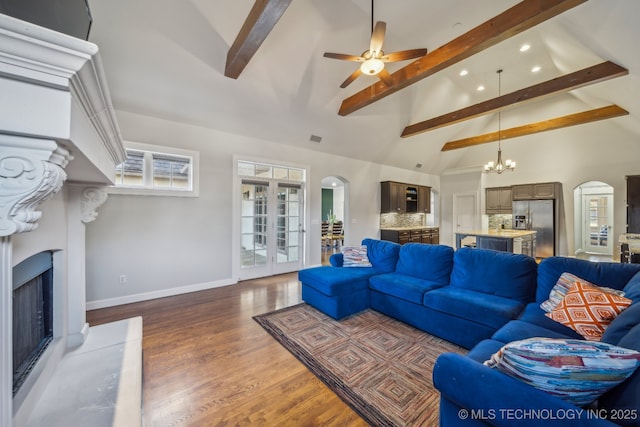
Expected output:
(31, 171)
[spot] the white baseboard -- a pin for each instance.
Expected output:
(128, 299)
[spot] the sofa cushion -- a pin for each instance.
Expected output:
(336, 280)
(609, 274)
(382, 254)
(533, 314)
(517, 330)
(588, 310)
(621, 325)
(429, 262)
(355, 256)
(575, 371)
(632, 288)
(402, 286)
(625, 398)
(482, 308)
(496, 273)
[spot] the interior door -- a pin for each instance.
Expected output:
(465, 213)
(597, 226)
(271, 228)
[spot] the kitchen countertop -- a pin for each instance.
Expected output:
(409, 228)
(506, 234)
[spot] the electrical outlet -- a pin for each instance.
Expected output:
(123, 278)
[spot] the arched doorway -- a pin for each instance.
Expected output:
(593, 218)
(334, 214)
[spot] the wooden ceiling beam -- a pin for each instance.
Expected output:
(594, 74)
(513, 21)
(589, 116)
(261, 19)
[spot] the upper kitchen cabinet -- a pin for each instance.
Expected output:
(498, 200)
(424, 199)
(397, 197)
(545, 190)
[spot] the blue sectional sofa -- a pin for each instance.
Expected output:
(481, 300)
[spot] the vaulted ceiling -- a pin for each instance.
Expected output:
(166, 58)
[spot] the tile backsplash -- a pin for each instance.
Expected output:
(391, 220)
(498, 219)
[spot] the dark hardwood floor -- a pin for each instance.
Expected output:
(208, 363)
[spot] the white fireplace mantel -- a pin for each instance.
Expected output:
(59, 92)
(57, 125)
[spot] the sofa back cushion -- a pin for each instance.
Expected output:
(497, 273)
(607, 274)
(382, 254)
(429, 262)
(624, 399)
(632, 288)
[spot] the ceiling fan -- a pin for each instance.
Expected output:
(373, 60)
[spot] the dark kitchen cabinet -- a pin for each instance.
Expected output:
(397, 197)
(633, 204)
(418, 235)
(424, 199)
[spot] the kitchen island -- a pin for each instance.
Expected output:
(516, 241)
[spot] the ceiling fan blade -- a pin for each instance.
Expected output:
(385, 77)
(344, 57)
(403, 55)
(351, 78)
(377, 37)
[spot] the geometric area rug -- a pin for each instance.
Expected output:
(379, 366)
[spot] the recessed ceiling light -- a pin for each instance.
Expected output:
(333, 184)
(525, 47)
(464, 73)
(480, 88)
(535, 69)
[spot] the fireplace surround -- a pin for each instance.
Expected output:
(59, 144)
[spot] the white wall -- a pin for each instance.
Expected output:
(165, 245)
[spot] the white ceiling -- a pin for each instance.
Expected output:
(166, 58)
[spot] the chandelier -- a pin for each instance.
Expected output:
(499, 166)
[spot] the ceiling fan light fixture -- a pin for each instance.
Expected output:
(372, 66)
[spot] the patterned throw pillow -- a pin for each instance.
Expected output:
(355, 256)
(588, 310)
(565, 281)
(575, 371)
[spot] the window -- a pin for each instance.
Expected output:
(154, 170)
(259, 170)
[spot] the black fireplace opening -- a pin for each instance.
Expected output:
(32, 313)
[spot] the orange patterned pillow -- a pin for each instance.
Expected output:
(588, 310)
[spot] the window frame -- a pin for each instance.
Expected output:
(148, 189)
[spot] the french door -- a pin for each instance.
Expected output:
(271, 228)
(597, 229)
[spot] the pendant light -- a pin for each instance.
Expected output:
(499, 166)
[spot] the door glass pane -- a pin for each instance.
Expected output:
(288, 224)
(254, 233)
(598, 220)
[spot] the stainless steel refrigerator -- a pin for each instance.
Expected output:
(539, 216)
